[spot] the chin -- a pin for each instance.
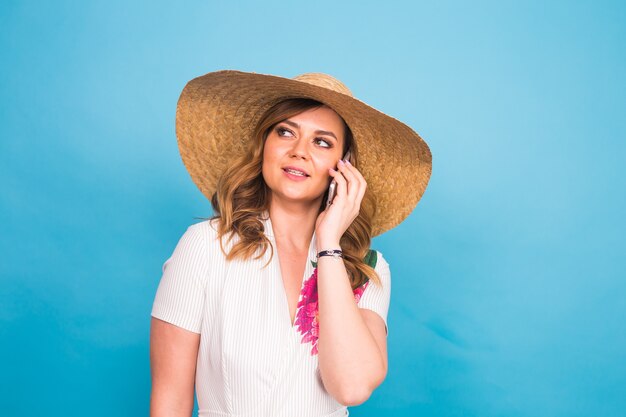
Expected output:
(299, 198)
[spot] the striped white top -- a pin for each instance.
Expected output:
(252, 361)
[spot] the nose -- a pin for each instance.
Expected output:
(300, 149)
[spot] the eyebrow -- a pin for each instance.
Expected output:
(319, 132)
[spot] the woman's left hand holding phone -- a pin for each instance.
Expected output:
(332, 223)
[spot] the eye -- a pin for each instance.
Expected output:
(283, 132)
(324, 142)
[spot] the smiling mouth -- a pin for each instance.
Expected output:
(294, 172)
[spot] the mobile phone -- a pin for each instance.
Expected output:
(332, 189)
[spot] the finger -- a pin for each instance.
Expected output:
(362, 185)
(356, 182)
(341, 183)
(351, 202)
(352, 185)
(360, 189)
(355, 170)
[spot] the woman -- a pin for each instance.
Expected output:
(277, 306)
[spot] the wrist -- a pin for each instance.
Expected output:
(333, 253)
(328, 245)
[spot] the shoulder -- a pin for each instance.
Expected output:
(381, 259)
(208, 231)
(204, 233)
(382, 270)
(209, 225)
(377, 293)
(376, 260)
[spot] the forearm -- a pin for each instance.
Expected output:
(351, 364)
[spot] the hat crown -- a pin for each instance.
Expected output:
(325, 81)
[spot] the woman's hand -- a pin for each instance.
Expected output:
(332, 223)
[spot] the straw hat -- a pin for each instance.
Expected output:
(217, 113)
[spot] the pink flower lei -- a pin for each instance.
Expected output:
(307, 314)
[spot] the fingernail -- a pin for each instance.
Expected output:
(348, 162)
(341, 162)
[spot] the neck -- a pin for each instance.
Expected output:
(293, 225)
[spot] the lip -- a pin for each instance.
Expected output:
(295, 169)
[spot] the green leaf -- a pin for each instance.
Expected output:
(371, 258)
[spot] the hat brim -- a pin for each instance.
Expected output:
(217, 113)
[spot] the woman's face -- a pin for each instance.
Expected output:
(298, 153)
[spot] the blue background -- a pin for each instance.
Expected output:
(509, 291)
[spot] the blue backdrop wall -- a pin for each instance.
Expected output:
(508, 278)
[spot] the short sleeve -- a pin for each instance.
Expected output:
(376, 297)
(180, 295)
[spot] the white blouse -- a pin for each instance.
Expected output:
(252, 361)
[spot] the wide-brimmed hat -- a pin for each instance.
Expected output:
(218, 112)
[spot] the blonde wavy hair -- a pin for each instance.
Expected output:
(242, 197)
